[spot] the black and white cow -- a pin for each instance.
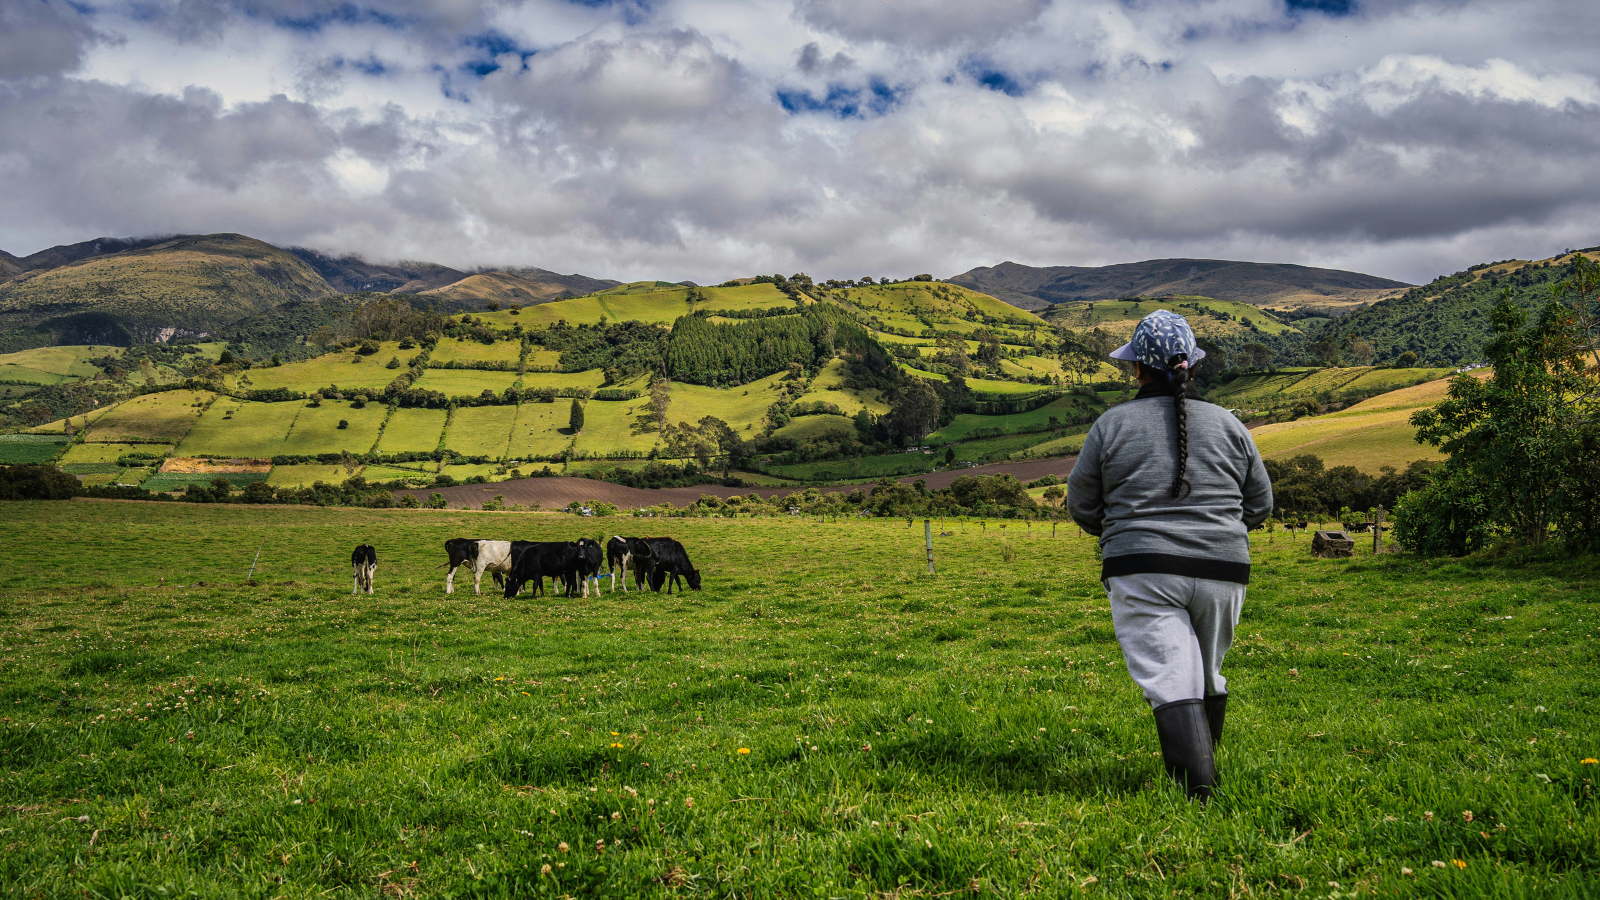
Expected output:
(364, 563)
(590, 557)
(624, 554)
(482, 556)
(668, 560)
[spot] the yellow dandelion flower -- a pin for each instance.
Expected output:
(616, 746)
(744, 751)
(1589, 761)
(614, 733)
(1460, 864)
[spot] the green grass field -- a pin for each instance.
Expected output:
(894, 464)
(316, 430)
(159, 482)
(467, 382)
(807, 427)
(109, 453)
(482, 430)
(591, 379)
(331, 369)
(541, 428)
(232, 427)
(53, 365)
(164, 418)
(25, 449)
(644, 302)
(906, 735)
(1374, 433)
(309, 474)
(451, 349)
(961, 427)
(412, 430)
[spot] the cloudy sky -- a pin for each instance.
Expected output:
(705, 139)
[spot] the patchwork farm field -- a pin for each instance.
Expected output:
(158, 418)
(344, 369)
(824, 719)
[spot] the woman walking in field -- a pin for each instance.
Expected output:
(1171, 485)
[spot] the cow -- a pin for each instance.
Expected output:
(623, 554)
(364, 562)
(481, 556)
(590, 558)
(536, 561)
(668, 560)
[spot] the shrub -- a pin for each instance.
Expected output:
(436, 500)
(394, 363)
(258, 492)
(410, 501)
(37, 483)
(367, 348)
(343, 423)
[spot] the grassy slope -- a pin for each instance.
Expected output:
(481, 430)
(465, 382)
(977, 726)
(53, 365)
(500, 286)
(963, 426)
(317, 430)
(450, 349)
(815, 426)
(1372, 434)
(165, 417)
(1119, 316)
(662, 305)
(254, 429)
(191, 282)
(412, 430)
(338, 368)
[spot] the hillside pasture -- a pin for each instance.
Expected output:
(465, 382)
(589, 378)
(345, 369)
(306, 475)
(316, 430)
(1205, 315)
(231, 427)
(810, 427)
(453, 350)
(380, 474)
(53, 365)
(165, 417)
(481, 430)
(1067, 445)
(412, 431)
(1368, 440)
(738, 406)
(644, 302)
(540, 429)
(1064, 409)
(109, 453)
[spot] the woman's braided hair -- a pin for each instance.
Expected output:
(1178, 377)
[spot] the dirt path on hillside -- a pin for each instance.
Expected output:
(555, 493)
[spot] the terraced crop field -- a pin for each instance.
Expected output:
(25, 449)
(165, 417)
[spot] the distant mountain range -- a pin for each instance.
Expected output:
(1275, 285)
(131, 290)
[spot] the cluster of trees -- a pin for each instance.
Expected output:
(1303, 487)
(1524, 444)
(702, 352)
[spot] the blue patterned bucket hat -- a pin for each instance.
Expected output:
(1158, 338)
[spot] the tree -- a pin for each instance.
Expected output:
(1407, 360)
(989, 350)
(660, 401)
(953, 353)
(914, 412)
(1255, 355)
(1326, 350)
(1053, 495)
(1361, 350)
(575, 420)
(949, 456)
(1525, 443)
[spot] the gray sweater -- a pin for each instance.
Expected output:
(1121, 489)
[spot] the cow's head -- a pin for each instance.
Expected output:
(694, 579)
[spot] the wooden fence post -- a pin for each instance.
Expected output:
(927, 537)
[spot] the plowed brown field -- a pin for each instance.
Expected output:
(554, 493)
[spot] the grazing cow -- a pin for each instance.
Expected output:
(668, 560)
(623, 554)
(482, 556)
(590, 557)
(364, 561)
(536, 561)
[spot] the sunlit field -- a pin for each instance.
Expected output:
(824, 719)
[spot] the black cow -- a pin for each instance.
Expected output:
(364, 563)
(623, 554)
(537, 560)
(668, 560)
(590, 556)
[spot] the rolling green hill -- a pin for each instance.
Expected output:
(183, 285)
(1216, 319)
(1256, 284)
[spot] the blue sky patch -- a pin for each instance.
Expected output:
(992, 77)
(1326, 7)
(344, 14)
(489, 46)
(844, 102)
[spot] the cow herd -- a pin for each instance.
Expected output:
(517, 565)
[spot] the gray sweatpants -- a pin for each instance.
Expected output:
(1174, 632)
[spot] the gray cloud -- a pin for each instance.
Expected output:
(41, 37)
(931, 137)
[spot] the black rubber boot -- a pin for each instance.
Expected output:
(1186, 746)
(1216, 711)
